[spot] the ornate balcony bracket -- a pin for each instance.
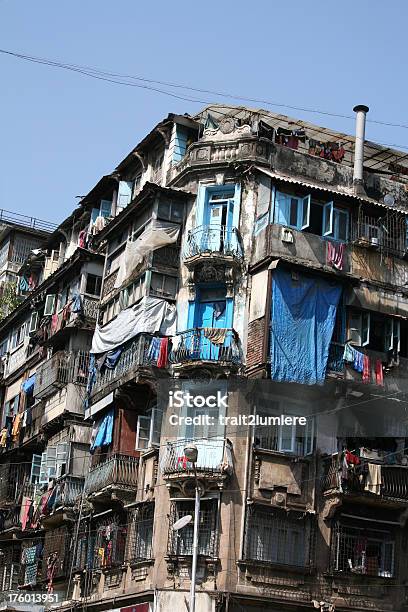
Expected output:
(209, 272)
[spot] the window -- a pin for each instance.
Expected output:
(104, 210)
(374, 330)
(292, 211)
(335, 222)
(133, 292)
(294, 438)
(149, 428)
(93, 284)
(10, 408)
(35, 469)
(50, 304)
(359, 328)
(362, 548)
(34, 318)
(180, 542)
(137, 183)
(109, 543)
(272, 537)
(53, 462)
(18, 335)
(124, 193)
(170, 211)
(141, 532)
(163, 285)
(3, 348)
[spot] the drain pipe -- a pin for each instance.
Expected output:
(361, 110)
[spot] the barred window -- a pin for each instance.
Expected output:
(57, 550)
(84, 548)
(10, 567)
(140, 532)
(180, 542)
(273, 537)
(110, 541)
(360, 548)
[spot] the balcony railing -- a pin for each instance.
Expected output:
(64, 367)
(14, 482)
(214, 457)
(68, 490)
(394, 480)
(12, 518)
(133, 354)
(118, 471)
(206, 344)
(198, 344)
(213, 239)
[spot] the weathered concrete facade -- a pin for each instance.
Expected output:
(200, 223)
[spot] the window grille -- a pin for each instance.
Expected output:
(361, 549)
(274, 537)
(57, 541)
(109, 543)
(180, 542)
(140, 536)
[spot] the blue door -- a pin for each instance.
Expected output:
(211, 315)
(218, 221)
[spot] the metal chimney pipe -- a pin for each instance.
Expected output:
(361, 110)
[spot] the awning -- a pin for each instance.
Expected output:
(379, 300)
(347, 194)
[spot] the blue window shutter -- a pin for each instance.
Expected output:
(328, 219)
(281, 209)
(106, 208)
(237, 205)
(305, 212)
(124, 193)
(94, 214)
(180, 144)
(200, 205)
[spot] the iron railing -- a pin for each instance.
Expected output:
(214, 457)
(387, 233)
(394, 479)
(9, 217)
(64, 367)
(206, 344)
(14, 482)
(12, 518)
(90, 307)
(68, 490)
(216, 239)
(118, 470)
(134, 354)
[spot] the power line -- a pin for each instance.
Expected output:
(118, 78)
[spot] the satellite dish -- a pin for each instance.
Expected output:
(389, 199)
(185, 520)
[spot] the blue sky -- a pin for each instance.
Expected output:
(61, 132)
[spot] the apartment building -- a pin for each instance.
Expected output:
(237, 252)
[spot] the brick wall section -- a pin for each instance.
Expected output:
(256, 335)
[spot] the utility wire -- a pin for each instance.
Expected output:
(118, 78)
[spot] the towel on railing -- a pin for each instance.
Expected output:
(215, 335)
(154, 349)
(373, 480)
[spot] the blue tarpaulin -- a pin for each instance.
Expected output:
(28, 385)
(303, 316)
(104, 434)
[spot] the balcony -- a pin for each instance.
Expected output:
(298, 246)
(394, 486)
(12, 519)
(64, 367)
(118, 472)
(214, 459)
(14, 481)
(218, 243)
(206, 344)
(134, 355)
(68, 491)
(241, 146)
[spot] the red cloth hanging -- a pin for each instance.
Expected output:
(379, 375)
(163, 353)
(366, 369)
